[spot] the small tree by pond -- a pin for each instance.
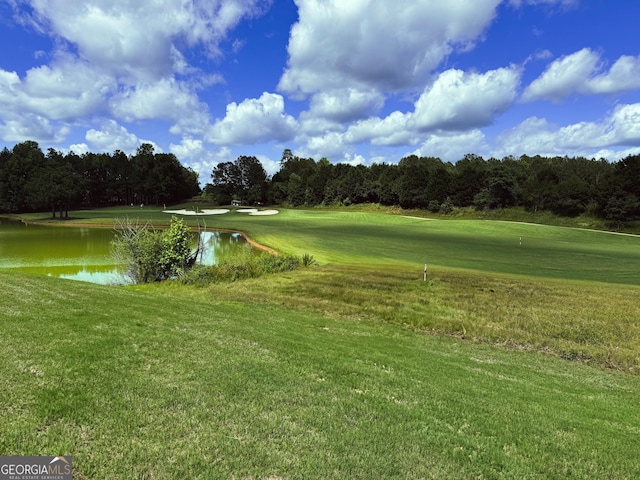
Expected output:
(148, 255)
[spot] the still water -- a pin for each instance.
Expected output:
(80, 253)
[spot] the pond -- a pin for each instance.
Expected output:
(81, 253)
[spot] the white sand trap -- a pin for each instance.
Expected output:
(265, 212)
(215, 211)
(221, 211)
(180, 212)
(255, 211)
(218, 211)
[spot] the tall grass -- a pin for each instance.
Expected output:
(241, 267)
(587, 322)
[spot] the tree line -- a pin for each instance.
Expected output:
(567, 186)
(31, 180)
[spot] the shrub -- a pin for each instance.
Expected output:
(147, 255)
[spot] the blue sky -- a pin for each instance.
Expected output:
(357, 81)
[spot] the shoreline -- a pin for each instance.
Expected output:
(63, 223)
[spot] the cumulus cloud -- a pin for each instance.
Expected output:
(367, 44)
(65, 90)
(582, 72)
(452, 146)
(538, 136)
(455, 101)
(194, 153)
(345, 105)
(624, 75)
(111, 137)
(165, 99)
(392, 130)
(253, 121)
(563, 77)
(78, 148)
(118, 57)
(18, 127)
(458, 100)
(139, 39)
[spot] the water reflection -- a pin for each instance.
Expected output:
(217, 246)
(84, 253)
(111, 277)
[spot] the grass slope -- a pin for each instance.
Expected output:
(150, 384)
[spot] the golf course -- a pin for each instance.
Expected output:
(414, 348)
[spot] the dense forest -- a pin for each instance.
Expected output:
(562, 185)
(33, 181)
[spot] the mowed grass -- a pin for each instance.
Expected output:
(145, 383)
(339, 237)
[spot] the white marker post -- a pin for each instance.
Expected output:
(425, 272)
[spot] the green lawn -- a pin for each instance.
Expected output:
(352, 369)
(141, 384)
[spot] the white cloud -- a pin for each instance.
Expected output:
(451, 146)
(624, 125)
(78, 148)
(65, 90)
(563, 77)
(332, 145)
(538, 136)
(392, 130)
(112, 137)
(165, 99)
(345, 105)
(456, 101)
(565, 4)
(623, 76)
(366, 44)
(459, 100)
(29, 126)
(254, 121)
(193, 153)
(581, 72)
(353, 159)
(270, 166)
(139, 39)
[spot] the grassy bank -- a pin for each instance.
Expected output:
(587, 322)
(149, 384)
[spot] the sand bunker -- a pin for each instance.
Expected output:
(264, 212)
(221, 211)
(183, 211)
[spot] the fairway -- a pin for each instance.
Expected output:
(376, 238)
